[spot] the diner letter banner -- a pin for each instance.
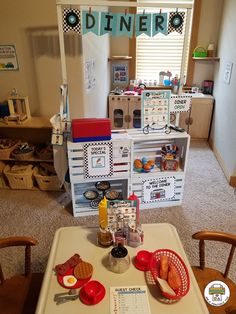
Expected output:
(90, 22)
(108, 23)
(159, 24)
(98, 159)
(123, 24)
(143, 24)
(176, 22)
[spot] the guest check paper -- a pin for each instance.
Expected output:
(129, 300)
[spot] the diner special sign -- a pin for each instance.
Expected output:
(98, 159)
(122, 24)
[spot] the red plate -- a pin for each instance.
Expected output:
(93, 286)
(79, 283)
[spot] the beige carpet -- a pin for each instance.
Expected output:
(209, 203)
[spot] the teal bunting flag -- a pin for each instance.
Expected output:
(143, 24)
(159, 24)
(108, 23)
(90, 22)
(125, 24)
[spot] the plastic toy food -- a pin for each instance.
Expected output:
(83, 270)
(174, 279)
(90, 194)
(102, 185)
(112, 195)
(61, 269)
(138, 164)
(164, 266)
(69, 281)
(144, 165)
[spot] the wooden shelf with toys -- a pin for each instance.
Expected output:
(26, 154)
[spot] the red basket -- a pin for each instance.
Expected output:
(177, 262)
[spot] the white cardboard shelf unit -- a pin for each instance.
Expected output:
(128, 146)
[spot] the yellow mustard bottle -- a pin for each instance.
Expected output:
(102, 211)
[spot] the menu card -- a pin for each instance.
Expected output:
(129, 300)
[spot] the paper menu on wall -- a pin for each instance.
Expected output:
(129, 300)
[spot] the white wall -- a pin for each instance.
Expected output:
(223, 134)
(32, 27)
(18, 20)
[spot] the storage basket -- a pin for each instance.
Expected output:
(200, 52)
(23, 156)
(44, 152)
(175, 260)
(6, 152)
(47, 183)
(19, 180)
(3, 182)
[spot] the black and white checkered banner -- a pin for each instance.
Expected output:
(176, 22)
(71, 20)
(98, 159)
(180, 103)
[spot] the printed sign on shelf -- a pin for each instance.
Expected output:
(8, 59)
(180, 103)
(155, 108)
(98, 159)
(119, 74)
(158, 189)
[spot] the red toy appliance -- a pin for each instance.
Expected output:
(91, 129)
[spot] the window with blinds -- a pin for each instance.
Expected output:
(161, 52)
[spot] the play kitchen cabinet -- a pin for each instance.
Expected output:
(198, 121)
(159, 185)
(125, 111)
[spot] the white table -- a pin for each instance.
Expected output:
(71, 240)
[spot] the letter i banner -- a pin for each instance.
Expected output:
(176, 22)
(71, 20)
(90, 22)
(108, 23)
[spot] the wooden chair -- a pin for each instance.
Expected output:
(19, 293)
(231, 309)
(205, 275)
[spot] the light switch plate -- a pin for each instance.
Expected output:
(227, 72)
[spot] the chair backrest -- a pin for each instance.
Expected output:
(231, 309)
(26, 242)
(215, 236)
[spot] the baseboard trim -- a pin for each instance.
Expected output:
(232, 181)
(221, 162)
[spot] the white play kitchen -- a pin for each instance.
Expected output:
(138, 163)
